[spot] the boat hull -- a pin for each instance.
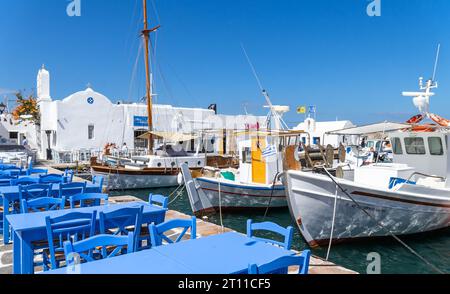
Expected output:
(409, 210)
(118, 180)
(230, 196)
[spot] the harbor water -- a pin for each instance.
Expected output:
(394, 259)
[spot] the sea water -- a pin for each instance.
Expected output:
(395, 258)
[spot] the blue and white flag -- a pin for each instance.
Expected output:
(269, 151)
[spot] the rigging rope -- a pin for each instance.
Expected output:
(332, 224)
(435, 268)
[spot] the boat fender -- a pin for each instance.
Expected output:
(180, 179)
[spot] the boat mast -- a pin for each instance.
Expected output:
(146, 33)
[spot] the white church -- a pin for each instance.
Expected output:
(86, 121)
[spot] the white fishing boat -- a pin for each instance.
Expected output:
(254, 185)
(410, 195)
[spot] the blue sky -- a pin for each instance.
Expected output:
(327, 53)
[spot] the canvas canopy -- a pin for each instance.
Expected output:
(169, 137)
(383, 127)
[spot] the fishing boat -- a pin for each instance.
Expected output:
(255, 184)
(408, 196)
(160, 167)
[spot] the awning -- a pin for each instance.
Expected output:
(169, 137)
(383, 127)
(264, 133)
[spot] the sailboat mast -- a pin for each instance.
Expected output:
(146, 34)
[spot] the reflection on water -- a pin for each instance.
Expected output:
(394, 257)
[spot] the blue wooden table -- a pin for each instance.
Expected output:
(30, 227)
(5, 182)
(228, 253)
(11, 194)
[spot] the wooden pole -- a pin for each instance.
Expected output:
(146, 34)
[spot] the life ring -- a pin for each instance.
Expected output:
(440, 120)
(415, 119)
(424, 128)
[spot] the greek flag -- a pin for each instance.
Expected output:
(269, 151)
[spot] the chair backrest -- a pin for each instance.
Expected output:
(90, 246)
(157, 235)
(282, 264)
(118, 221)
(32, 171)
(287, 233)
(69, 173)
(42, 204)
(24, 181)
(51, 179)
(158, 200)
(71, 189)
(88, 199)
(98, 180)
(74, 226)
(34, 191)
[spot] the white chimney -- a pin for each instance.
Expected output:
(43, 85)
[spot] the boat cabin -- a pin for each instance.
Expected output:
(261, 155)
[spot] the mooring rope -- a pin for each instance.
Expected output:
(271, 195)
(435, 268)
(332, 224)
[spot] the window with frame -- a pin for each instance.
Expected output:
(435, 146)
(91, 132)
(397, 146)
(247, 155)
(414, 145)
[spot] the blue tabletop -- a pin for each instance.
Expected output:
(142, 262)
(14, 190)
(220, 254)
(32, 221)
(223, 254)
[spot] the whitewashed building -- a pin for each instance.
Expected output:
(316, 131)
(87, 120)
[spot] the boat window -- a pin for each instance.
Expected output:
(378, 145)
(414, 145)
(369, 144)
(247, 155)
(90, 132)
(397, 146)
(435, 145)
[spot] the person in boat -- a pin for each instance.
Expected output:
(25, 141)
(124, 149)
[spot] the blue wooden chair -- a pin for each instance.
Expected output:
(287, 233)
(88, 199)
(68, 174)
(24, 181)
(98, 180)
(158, 200)
(282, 264)
(157, 232)
(34, 171)
(32, 191)
(70, 189)
(51, 179)
(6, 180)
(74, 226)
(42, 204)
(98, 247)
(122, 222)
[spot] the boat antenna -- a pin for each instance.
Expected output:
(146, 34)
(273, 112)
(436, 62)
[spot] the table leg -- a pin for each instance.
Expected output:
(6, 239)
(16, 255)
(22, 255)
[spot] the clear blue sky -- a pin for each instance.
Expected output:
(323, 52)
